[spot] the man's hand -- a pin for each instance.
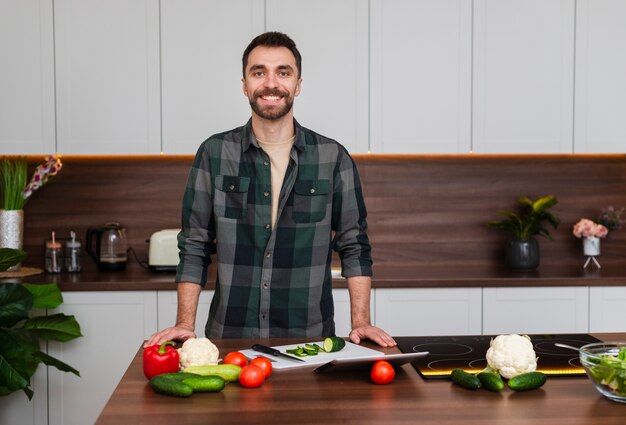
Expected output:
(180, 333)
(377, 335)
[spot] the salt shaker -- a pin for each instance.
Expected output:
(73, 254)
(54, 256)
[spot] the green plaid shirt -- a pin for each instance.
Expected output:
(272, 283)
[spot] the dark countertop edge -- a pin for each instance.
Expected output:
(385, 277)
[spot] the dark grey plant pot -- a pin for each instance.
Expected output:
(522, 254)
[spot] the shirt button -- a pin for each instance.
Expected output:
(312, 190)
(266, 194)
(267, 226)
(231, 187)
(268, 255)
(266, 163)
(265, 285)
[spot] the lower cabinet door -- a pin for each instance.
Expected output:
(114, 326)
(562, 309)
(429, 311)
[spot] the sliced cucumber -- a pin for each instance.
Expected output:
(333, 344)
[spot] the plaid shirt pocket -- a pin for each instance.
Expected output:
(231, 196)
(310, 199)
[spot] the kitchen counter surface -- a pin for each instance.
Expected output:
(385, 276)
(299, 396)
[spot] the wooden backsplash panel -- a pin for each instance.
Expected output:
(422, 209)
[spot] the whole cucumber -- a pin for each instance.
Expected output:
(491, 381)
(170, 386)
(527, 381)
(229, 372)
(465, 379)
(205, 384)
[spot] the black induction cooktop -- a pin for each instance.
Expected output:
(468, 352)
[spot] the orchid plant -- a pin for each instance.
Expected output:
(15, 191)
(586, 228)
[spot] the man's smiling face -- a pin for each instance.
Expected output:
(271, 81)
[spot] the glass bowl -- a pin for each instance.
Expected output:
(605, 369)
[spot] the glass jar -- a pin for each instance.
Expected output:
(54, 257)
(73, 256)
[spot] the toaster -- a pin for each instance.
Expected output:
(163, 250)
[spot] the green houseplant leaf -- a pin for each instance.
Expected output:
(15, 304)
(530, 220)
(20, 334)
(57, 327)
(45, 296)
(10, 257)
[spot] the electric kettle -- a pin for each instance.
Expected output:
(107, 246)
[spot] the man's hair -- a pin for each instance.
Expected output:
(272, 39)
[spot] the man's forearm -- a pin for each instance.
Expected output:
(359, 288)
(188, 294)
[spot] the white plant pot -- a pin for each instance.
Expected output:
(591, 246)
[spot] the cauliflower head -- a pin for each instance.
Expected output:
(511, 355)
(198, 352)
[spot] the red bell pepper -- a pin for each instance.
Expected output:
(159, 359)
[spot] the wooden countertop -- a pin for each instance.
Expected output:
(299, 396)
(385, 276)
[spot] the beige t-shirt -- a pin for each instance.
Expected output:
(279, 153)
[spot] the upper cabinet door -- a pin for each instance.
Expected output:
(332, 37)
(26, 77)
(107, 69)
(600, 77)
(420, 76)
(523, 76)
(202, 43)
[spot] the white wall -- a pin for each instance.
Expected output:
(392, 76)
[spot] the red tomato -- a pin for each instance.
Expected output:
(382, 372)
(236, 358)
(264, 364)
(251, 376)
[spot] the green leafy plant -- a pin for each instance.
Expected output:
(21, 331)
(530, 221)
(14, 176)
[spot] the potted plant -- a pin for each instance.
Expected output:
(16, 190)
(21, 331)
(522, 249)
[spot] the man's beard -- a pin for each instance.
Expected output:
(272, 112)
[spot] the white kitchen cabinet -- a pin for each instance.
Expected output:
(606, 308)
(420, 76)
(523, 76)
(332, 37)
(107, 76)
(114, 325)
(201, 68)
(343, 323)
(429, 311)
(26, 77)
(562, 309)
(168, 303)
(600, 120)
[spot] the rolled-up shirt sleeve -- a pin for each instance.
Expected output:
(196, 240)
(350, 219)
